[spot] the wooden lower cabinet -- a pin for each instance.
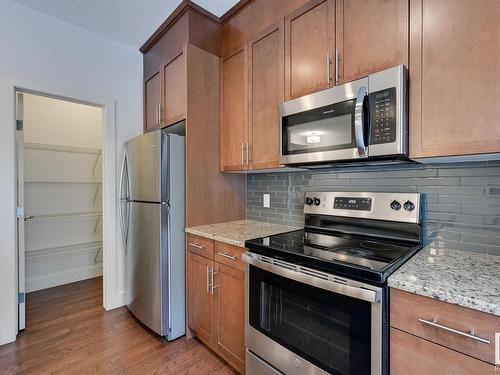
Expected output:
(216, 304)
(229, 305)
(412, 355)
(200, 301)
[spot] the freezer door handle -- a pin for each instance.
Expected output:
(124, 201)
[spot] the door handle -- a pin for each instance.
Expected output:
(198, 246)
(242, 154)
(248, 153)
(359, 125)
(226, 255)
(471, 335)
(212, 284)
(328, 68)
(336, 65)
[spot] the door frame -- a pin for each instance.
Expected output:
(113, 258)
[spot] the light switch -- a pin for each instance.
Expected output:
(266, 200)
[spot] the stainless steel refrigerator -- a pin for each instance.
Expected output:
(152, 220)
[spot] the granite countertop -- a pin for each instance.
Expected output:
(463, 278)
(237, 232)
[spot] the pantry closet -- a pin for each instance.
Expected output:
(62, 191)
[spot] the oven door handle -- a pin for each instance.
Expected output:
(359, 123)
(306, 276)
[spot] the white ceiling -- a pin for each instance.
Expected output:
(131, 22)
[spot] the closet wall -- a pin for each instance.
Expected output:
(63, 191)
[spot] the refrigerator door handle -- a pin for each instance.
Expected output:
(124, 202)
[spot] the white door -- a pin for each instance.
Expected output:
(20, 211)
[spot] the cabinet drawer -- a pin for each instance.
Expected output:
(413, 355)
(229, 255)
(430, 319)
(200, 245)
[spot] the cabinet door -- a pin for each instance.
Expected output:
(454, 76)
(230, 315)
(371, 35)
(152, 101)
(175, 82)
(200, 302)
(413, 355)
(309, 47)
(265, 89)
(233, 131)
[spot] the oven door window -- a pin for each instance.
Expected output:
(321, 129)
(330, 330)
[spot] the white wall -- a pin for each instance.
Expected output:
(39, 48)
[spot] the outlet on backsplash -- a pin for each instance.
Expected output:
(266, 200)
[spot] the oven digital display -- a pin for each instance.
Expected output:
(349, 203)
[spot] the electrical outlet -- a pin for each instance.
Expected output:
(266, 199)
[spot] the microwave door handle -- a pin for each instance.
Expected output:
(359, 123)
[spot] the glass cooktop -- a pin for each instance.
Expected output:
(353, 256)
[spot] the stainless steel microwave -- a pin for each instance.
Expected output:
(366, 118)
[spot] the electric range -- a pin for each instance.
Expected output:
(317, 298)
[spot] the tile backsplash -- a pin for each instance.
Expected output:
(462, 200)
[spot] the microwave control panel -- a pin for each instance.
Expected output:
(382, 116)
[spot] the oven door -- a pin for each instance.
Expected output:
(302, 321)
(325, 126)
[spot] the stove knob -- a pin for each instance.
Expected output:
(309, 201)
(316, 201)
(408, 206)
(395, 205)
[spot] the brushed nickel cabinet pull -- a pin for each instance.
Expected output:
(328, 68)
(208, 279)
(198, 246)
(248, 153)
(336, 65)
(242, 153)
(226, 255)
(212, 281)
(471, 335)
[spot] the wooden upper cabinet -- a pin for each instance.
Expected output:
(371, 35)
(233, 124)
(454, 77)
(309, 48)
(152, 102)
(200, 301)
(174, 86)
(265, 90)
(230, 315)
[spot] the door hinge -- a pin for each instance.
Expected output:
(20, 212)
(20, 297)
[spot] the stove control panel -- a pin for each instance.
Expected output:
(402, 207)
(352, 203)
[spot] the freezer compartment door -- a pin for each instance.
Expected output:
(143, 265)
(143, 162)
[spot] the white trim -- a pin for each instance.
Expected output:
(55, 279)
(113, 297)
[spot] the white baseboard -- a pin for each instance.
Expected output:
(55, 279)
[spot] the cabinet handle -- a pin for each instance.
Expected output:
(212, 281)
(226, 255)
(242, 153)
(471, 335)
(208, 279)
(328, 68)
(248, 153)
(198, 246)
(159, 114)
(156, 114)
(336, 65)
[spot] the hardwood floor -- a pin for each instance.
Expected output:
(69, 332)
